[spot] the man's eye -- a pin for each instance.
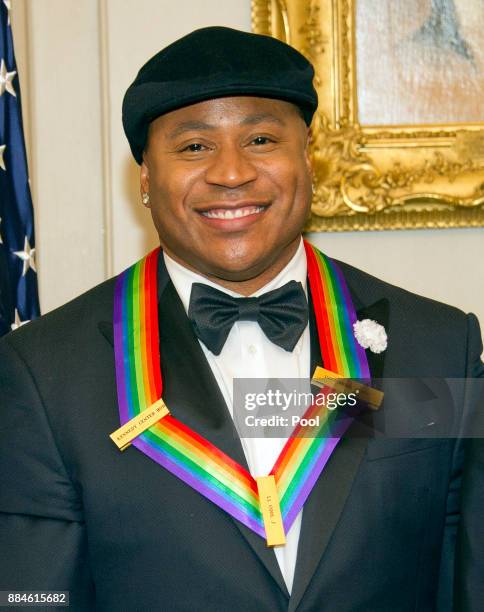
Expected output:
(195, 147)
(261, 140)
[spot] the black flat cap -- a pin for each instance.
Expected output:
(212, 63)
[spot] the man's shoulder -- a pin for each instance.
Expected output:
(69, 325)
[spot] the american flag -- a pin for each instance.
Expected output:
(19, 302)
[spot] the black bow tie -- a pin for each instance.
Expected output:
(282, 314)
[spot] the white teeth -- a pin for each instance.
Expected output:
(233, 214)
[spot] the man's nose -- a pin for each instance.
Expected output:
(230, 167)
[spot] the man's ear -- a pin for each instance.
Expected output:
(307, 154)
(144, 178)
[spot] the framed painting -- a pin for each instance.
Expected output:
(398, 138)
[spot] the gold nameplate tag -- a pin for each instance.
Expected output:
(123, 436)
(271, 510)
(370, 396)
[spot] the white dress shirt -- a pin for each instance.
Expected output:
(248, 353)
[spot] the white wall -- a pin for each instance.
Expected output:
(76, 59)
(446, 265)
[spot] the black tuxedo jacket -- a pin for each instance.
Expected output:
(122, 534)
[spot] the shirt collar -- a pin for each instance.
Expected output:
(183, 278)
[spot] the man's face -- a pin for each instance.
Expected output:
(230, 185)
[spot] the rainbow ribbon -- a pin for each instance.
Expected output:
(191, 457)
(335, 317)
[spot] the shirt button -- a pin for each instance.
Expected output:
(252, 349)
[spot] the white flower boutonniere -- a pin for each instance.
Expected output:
(370, 334)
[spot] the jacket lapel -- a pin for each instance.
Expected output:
(326, 502)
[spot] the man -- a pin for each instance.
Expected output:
(5, 306)
(219, 124)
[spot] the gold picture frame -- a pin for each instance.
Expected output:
(373, 177)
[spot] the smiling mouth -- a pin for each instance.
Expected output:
(234, 213)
